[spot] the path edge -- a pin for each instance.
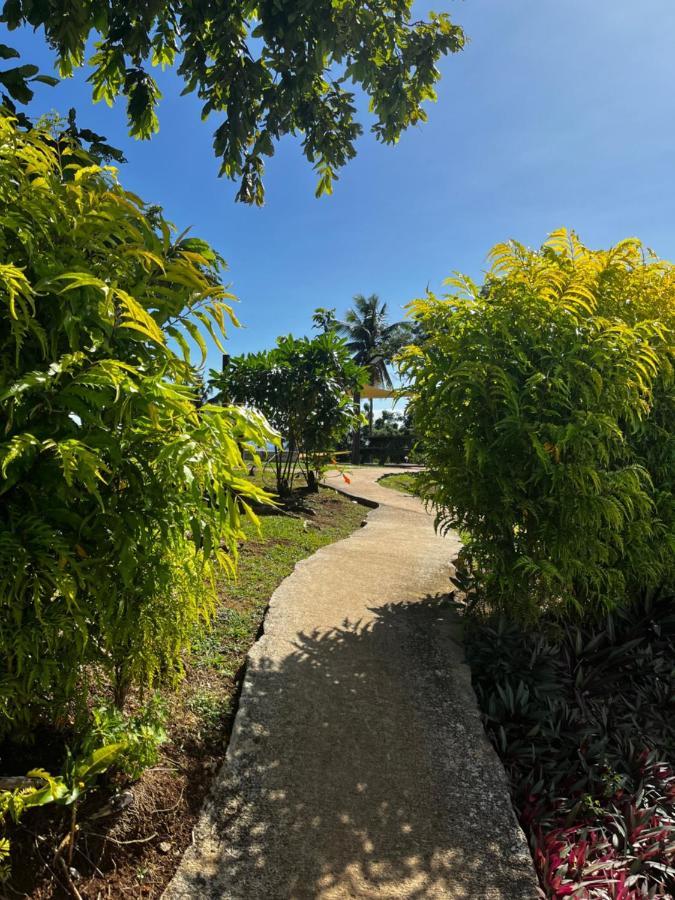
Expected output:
(207, 813)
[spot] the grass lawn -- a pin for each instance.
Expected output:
(134, 853)
(405, 482)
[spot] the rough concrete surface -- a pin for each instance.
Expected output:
(358, 766)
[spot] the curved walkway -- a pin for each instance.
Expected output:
(358, 766)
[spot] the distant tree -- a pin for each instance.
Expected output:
(268, 68)
(302, 386)
(388, 423)
(373, 341)
(324, 319)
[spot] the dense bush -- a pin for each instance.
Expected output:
(302, 386)
(544, 402)
(118, 493)
(584, 724)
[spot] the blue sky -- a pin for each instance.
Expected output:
(557, 113)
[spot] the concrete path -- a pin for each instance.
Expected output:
(358, 766)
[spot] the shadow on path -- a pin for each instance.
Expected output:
(392, 790)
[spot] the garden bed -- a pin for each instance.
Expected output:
(583, 719)
(135, 852)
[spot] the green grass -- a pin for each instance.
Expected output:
(405, 482)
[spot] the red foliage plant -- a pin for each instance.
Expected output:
(584, 725)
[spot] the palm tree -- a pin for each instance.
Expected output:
(373, 342)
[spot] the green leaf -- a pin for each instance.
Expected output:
(99, 761)
(8, 52)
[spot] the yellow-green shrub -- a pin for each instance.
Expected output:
(544, 402)
(118, 493)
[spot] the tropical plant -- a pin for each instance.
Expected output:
(373, 341)
(302, 386)
(110, 741)
(371, 338)
(581, 719)
(140, 734)
(42, 788)
(544, 401)
(324, 319)
(269, 68)
(119, 496)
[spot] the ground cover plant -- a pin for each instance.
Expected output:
(135, 851)
(583, 718)
(544, 405)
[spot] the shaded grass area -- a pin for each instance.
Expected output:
(405, 482)
(134, 853)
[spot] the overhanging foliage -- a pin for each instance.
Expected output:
(270, 68)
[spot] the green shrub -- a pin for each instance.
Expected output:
(303, 387)
(141, 734)
(119, 494)
(544, 403)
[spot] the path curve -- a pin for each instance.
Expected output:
(358, 766)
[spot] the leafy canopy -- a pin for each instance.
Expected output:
(119, 494)
(303, 387)
(544, 402)
(267, 68)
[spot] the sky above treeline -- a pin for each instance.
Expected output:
(556, 114)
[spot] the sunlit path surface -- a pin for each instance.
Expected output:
(358, 765)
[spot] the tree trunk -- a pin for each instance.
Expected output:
(370, 418)
(356, 436)
(121, 685)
